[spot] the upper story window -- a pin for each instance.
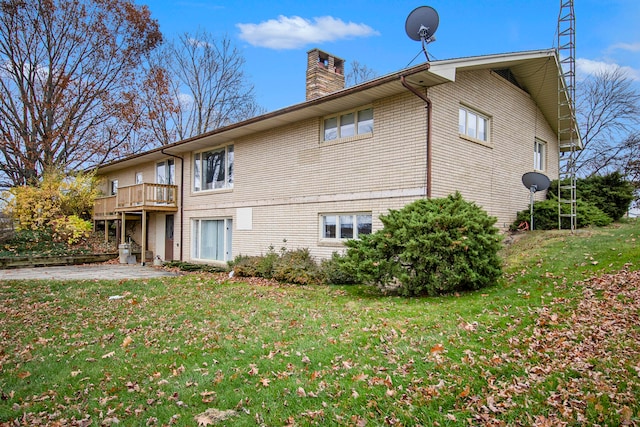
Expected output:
(348, 124)
(139, 179)
(166, 172)
(473, 124)
(345, 225)
(213, 169)
(539, 155)
(113, 184)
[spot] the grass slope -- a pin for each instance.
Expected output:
(556, 342)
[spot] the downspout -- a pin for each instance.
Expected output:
(427, 101)
(181, 194)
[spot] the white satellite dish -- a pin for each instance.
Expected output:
(535, 181)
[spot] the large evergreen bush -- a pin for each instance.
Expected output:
(611, 193)
(545, 215)
(429, 247)
(600, 201)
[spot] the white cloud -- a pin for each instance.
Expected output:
(586, 67)
(186, 100)
(630, 47)
(198, 43)
(295, 32)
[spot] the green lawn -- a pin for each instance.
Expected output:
(556, 341)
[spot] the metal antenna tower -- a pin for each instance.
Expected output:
(567, 128)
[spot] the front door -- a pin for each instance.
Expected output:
(168, 236)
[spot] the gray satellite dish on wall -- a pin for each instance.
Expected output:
(535, 181)
(421, 25)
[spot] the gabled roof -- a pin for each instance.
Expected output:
(537, 72)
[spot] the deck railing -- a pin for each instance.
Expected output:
(137, 197)
(104, 207)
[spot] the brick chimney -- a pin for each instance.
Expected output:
(325, 74)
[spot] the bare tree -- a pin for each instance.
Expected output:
(359, 73)
(608, 109)
(68, 73)
(197, 84)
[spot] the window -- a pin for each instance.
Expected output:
(213, 169)
(539, 154)
(166, 172)
(139, 179)
(348, 124)
(212, 239)
(345, 226)
(114, 187)
(473, 124)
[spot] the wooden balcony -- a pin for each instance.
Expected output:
(136, 198)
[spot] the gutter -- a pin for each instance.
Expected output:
(428, 106)
(181, 195)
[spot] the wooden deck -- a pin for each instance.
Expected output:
(137, 198)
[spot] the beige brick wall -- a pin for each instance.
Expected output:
(488, 174)
(289, 177)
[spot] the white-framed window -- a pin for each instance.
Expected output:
(346, 124)
(212, 239)
(213, 169)
(539, 155)
(113, 187)
(166, 172)
(473, 124)
(342, 226)
(139, 179)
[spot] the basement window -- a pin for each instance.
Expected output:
(343, 226)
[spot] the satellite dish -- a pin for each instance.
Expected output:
(535, 181)
(421, 25)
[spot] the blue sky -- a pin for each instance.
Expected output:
(274, 36)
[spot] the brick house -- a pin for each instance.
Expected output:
(323, 170)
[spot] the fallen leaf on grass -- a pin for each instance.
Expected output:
(438, 348)
(265, 382)
(24, 374)
(212, 416)
(127, 341)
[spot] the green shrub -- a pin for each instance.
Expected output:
(545, 215)
(334, 272)
(296, 266)
(611, 194)
(255, 266)
(429, 247)
(34, 242)
(246, 266)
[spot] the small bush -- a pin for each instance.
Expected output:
(38, 242)
(246, 266)
(70, 229)
(334, 272)
(187, 266)
(296, 266)
(290, 266)
(255, 266)
(429, 247)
